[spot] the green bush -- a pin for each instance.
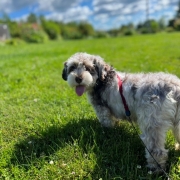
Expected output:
(144, 30)
(129, 32)
(177, 24)
(71, 31)
(14, 41)
(52, 29)
(75, 30)
(170, 29)
(33, 36)
(86, 29)
(15, 30)
(114, 32)
(73, 35)
(11, 42)
(154, 26)
(150, 26)
(101, 34)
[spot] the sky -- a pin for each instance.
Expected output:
(102, 14)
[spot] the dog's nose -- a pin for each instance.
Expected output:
(78, 79)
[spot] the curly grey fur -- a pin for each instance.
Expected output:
(153, 99)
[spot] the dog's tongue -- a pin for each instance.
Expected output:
(80, 90)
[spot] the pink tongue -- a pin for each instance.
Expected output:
(80, 90)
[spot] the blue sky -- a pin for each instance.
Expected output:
(102, 14)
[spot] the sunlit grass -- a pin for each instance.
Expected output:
(47, 132)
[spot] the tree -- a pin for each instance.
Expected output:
(139, 26)
(32, 18)
(51, 28)
(162, 23)
(15, 30)
(86, 29)
(175, 23)
(154, 26)
(114, 32)
(123, 28)
(70, 31)
(150, 26)
(6, 19)
(178, 11)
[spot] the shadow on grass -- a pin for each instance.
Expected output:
(118, 151)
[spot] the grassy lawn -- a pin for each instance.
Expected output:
(47, 132)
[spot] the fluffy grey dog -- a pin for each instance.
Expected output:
(153, 99)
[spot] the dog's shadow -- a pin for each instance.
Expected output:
(118, 151)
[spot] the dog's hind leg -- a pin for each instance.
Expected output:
(154, 140)
(176, 130)
(155, 117)
(154, 130)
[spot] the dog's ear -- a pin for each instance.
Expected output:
(64, 73)
(101, 68)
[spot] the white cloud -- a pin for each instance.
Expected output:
(72, 14)
(57, 5)
(169, 15)
(43, 5)
(108, 7)
(5, 6)
(101, 17)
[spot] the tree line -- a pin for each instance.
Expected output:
(39, 29)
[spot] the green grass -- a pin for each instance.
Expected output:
(47, 132)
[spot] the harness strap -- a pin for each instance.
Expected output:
(126, 108)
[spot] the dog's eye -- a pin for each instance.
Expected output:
(91, 70)
(72, 68)
(88, 69)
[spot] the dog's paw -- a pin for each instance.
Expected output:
(156, 170)
(108, 122)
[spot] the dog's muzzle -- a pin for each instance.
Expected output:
(78, 79)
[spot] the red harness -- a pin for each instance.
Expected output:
(128, 113)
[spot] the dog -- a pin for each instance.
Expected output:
(153, 99)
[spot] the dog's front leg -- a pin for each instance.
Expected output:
(102, 111)
(104, 116)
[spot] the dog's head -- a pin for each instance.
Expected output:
(82, 70)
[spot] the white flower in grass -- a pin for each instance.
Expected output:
(73, 172)
(139, 166)
(64, 164)
(150, 172)
(35, 100)
(51, 162)
(85, 155)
